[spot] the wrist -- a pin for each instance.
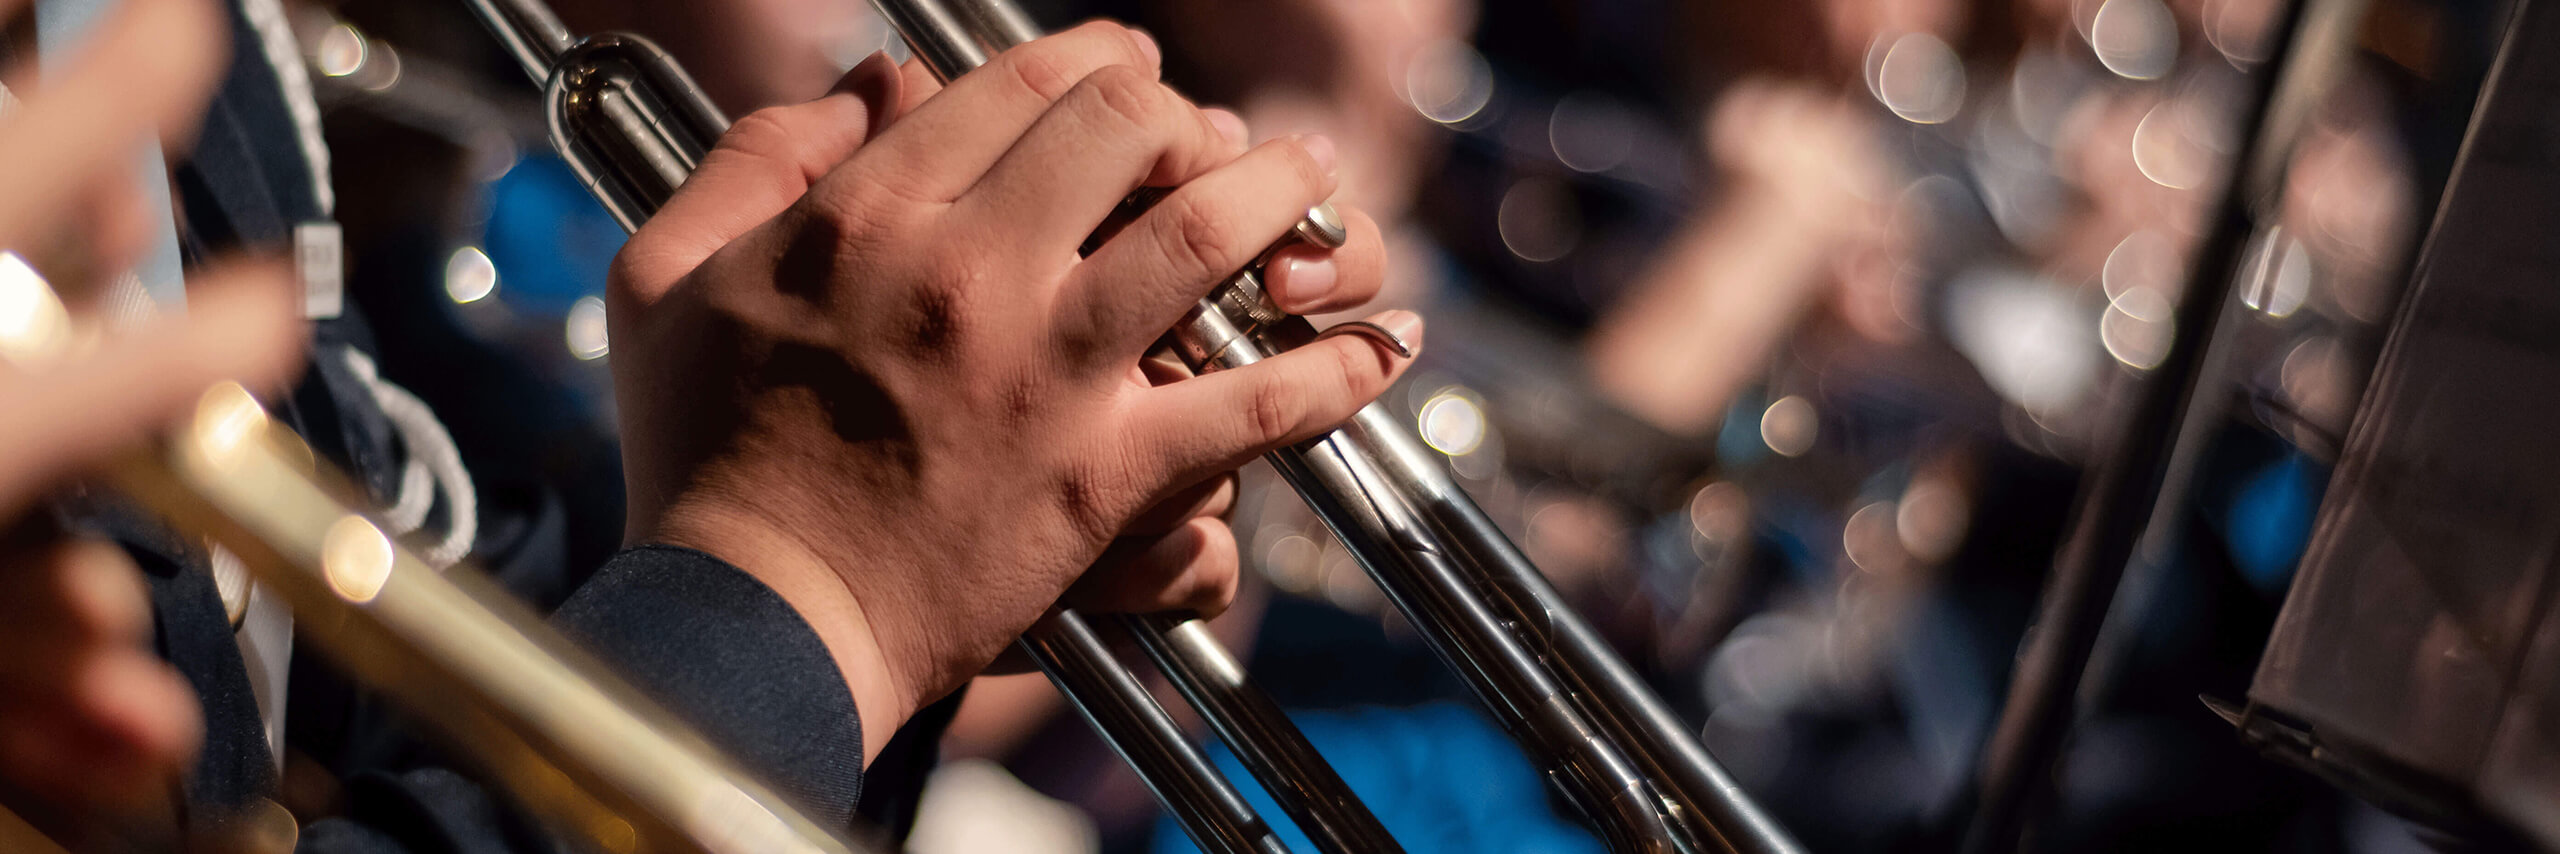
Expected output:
(821, 596)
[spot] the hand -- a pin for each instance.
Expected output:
(859, 356)
(88, 716)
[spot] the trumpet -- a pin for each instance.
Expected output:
(548, 724)
(632, 125)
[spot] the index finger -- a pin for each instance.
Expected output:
(940, 149)
(1190, 430)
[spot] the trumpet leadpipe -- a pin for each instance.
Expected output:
(550, 725)
(1615, 749)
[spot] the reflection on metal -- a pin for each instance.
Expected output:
(546, 723)
(356, 557)
(1618, 753)
(227, 422)
(2278, 279)
(1264, 740)
(1114, 702)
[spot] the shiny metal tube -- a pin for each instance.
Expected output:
(633, 125)
(1114, 702)
(529, 32)
(1614, 749)
(1265, 742)
(548, 724)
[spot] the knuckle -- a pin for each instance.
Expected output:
(1205, 241)
(1354, 371)
(1109, 36)
(1128, 97)
(1022, 397)
(1310, 174)
(937, 321)
(1084, 500)
(631, 273)
(1269, 413)
(1215, 577)
(763, 133)
(1041, 69)
(854, 202)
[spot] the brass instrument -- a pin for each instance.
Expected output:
(631, 123)
(546, 722)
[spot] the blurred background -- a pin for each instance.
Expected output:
(1780, 334)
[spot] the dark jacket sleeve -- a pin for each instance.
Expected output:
(710, 642)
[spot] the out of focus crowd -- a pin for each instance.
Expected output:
(1780, 334)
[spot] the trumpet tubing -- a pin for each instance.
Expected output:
(550, 725)
(631, 124)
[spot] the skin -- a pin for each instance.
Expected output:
(858, 354)
(866, 363)
(89, 717)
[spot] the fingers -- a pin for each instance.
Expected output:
(1229, 125)
(150, 66)
(63, 599)
(1304, 279)
(1211, 499)
(89, 713)
(1115, 131)
(241, 324)
(1146, 277)
(919, 85)
(1193, 568)
(762, 165)
(1219, 421)
(941, 148)
(108, 227)
(120, 739)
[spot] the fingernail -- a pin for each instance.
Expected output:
(1405, 324)
(1320, 147)
(1229, 125)
(1147, 45)
(1308, 281)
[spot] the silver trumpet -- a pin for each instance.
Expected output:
(632, 125)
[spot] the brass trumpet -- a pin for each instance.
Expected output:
(632, 125)
(548, 724)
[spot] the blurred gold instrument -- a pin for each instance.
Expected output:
(548, 724)
(632, 125)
